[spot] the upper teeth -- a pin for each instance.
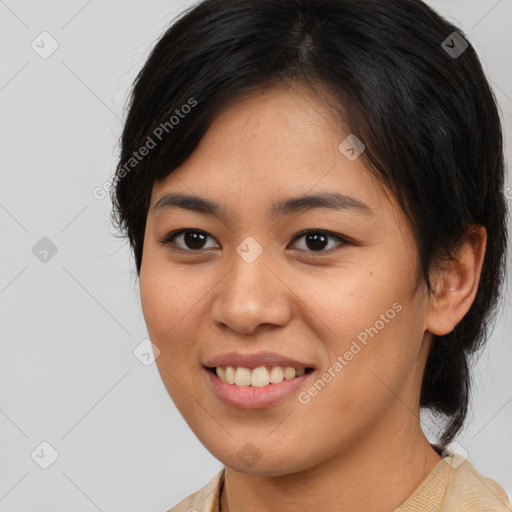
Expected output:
(257, 377)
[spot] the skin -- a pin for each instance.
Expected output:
(357, 445)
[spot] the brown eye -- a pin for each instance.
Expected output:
(187, 239)
(317, 241)
(195, 240)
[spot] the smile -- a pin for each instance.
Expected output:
(258, 388)
(258, 377)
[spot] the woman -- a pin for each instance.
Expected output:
(313, 191)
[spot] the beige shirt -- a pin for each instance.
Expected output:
(452, 486)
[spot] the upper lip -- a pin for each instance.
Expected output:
(254, 360)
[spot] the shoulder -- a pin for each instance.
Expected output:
(468, 490)
(204, 500)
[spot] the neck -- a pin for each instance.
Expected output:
(377, 474)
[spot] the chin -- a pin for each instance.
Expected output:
(254, 459)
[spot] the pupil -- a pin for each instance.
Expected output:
(194, 240)
(317, 241)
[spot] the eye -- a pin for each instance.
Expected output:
(191, 240)
(317, 240)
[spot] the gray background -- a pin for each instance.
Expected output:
(69, 326)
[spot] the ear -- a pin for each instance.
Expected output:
(456, 284)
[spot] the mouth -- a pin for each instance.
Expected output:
(256, 388)
(258, 377)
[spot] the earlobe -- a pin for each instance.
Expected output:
(456, 284)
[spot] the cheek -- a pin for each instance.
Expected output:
(380, 372)
(167, 294)
(345, 303)
(175, 304)
(371, 330)
(171, 305)
(370, 372)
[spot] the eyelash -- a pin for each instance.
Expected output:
(168, 240)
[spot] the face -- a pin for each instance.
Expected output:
(326, 286)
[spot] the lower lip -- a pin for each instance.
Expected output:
(249, 397)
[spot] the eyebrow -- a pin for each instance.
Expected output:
(322, 200)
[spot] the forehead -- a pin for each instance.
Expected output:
(274, 144)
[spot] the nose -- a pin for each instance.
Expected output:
(252, 295)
